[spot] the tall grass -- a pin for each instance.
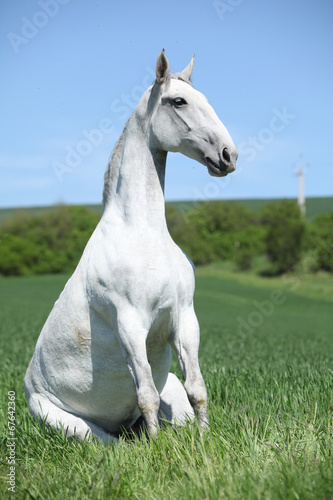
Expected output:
(270, 403)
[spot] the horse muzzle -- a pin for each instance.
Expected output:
(225, 164)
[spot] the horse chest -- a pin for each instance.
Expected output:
(166, 280)
(147, 271)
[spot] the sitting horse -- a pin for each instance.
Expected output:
(103, 357)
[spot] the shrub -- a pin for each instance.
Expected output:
(50, 243)
(248, 244)
(321, 241)
(211, 228)
(285, 231)
(17, 256)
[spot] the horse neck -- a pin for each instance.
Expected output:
(134, 181)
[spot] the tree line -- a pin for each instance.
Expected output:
(212, 231)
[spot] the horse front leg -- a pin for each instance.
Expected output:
(133, 346)
(186, 345)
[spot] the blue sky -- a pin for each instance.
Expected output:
(73, 71)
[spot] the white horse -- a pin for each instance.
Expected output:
(103, 356)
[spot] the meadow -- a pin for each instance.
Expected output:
(267, 359)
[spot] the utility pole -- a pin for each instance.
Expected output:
(301, 193)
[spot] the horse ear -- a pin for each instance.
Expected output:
(162, 67)
(188, 70)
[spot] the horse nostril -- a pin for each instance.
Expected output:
(226, 155)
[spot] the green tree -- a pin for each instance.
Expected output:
(49, 243)
(285, 231)
(249, 243)
(320, 242)
(211, 230)
(176, 221)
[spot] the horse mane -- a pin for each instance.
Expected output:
(180, 76)
(113, 158)
(117, 147)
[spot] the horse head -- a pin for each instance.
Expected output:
(182, 120)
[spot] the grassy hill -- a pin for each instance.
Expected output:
(314, 206)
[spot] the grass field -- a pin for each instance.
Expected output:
(267, 358)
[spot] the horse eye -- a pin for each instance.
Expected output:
(179, 101)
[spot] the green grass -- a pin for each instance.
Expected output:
(270, 400)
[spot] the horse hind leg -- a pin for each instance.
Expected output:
(72, 426)
(174, 404)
